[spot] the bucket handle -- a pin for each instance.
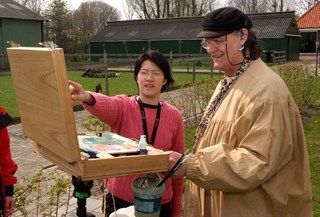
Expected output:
(149, 175)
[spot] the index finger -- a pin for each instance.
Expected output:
(74, 84)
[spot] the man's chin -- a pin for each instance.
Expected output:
(217, 66)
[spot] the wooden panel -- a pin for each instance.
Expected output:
(109, 166)
(45, 106)
(75, 168)
(125, 165)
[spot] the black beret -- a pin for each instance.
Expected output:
(223, 21)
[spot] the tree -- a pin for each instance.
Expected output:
(37, 6)
(250, 6)
(149, 9)
(128, 11)
(92, 16)
(258, 6)
(69, 29)
(305, 5)
(89, 19)
(284, 5)
(59, 26)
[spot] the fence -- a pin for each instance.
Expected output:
(84, 61)
(278, 56)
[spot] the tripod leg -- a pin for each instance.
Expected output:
(82, 192)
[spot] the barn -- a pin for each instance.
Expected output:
(18, 24)
(278, 33)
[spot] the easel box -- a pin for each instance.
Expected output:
(46, 112)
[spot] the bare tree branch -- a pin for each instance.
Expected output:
(147, 9)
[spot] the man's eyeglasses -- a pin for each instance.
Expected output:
(213, 42)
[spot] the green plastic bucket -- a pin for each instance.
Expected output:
(147, 197)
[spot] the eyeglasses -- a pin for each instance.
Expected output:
(213, 42)
(154, 73)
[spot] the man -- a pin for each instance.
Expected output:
(7, 167)
(249, 157)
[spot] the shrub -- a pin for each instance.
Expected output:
(198, 63)
(193, 99)
(95, 125)
(304, 87)
(42, 194)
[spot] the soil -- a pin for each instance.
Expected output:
(96, 189)
(308, 113)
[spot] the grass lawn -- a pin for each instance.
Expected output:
(124, 84)
(312, 132)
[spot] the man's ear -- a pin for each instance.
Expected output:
(243, 34)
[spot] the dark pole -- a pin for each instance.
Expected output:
(188, 63)
(317, 51)
(82, 191)
(194, 71)
(106, 80)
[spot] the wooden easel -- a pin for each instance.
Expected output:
(45, 107)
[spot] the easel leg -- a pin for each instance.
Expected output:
(82, 192)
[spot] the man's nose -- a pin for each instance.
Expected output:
(211, 49)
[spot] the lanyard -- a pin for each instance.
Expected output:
(144, 121)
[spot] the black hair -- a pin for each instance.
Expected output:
(160, 60)
(253, 45)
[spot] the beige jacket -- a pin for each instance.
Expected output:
(252, 160)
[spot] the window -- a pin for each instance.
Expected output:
(308, 42)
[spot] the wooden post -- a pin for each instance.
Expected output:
(171, 61)
(188, 63)
(2, 60)
(179, 42)
(194, 71)
(130, 61)
(106, 79)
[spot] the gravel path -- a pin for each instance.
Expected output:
(28, 161)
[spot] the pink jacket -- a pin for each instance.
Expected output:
(122, 114)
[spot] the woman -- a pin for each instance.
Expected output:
(7, 167)
(145, 114)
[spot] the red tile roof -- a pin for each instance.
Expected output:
(310, 19)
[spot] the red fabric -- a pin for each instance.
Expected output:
(123, 115)
(7, 166)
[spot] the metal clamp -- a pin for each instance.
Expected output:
(48, 44)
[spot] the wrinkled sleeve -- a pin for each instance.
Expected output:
(107, 109)
(263, 147)
(177, 184)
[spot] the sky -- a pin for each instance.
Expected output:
(118, 4)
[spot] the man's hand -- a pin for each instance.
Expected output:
(173, 158)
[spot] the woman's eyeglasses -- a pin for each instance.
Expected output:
(154, 73)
